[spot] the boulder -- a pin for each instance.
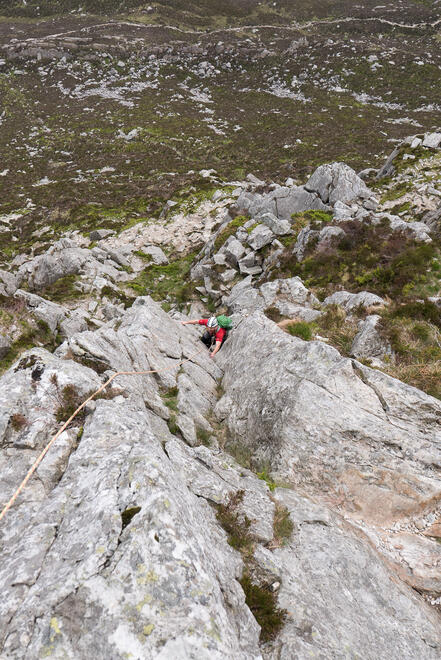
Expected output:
(42, 309)
(341, 432)
(260, 236)
(305, 236)
(282, 202)
(233, 250)
(337, 182)
(277, 226)
(432, 140)
(157, 255)
(350, 301)
(368, 342)
(329, 236)
(8, 283)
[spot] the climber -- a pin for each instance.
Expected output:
(213, 331)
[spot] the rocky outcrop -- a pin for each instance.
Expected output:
(337, 182)
(339, 430)
(350, 301)
(114, 549)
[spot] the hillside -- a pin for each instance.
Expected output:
(276, 162)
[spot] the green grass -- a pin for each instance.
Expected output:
(301, 329)
(169, 282)
(229, 230)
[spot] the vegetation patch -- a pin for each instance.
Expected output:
(18, 421)
(235, 524)
(263, 604)
(63, 289)
(413, 331)
(265, 476)
(203, 436)
(369, 257)
(169, 282)
(229, 230)
(70, 399)
(301, 329)
(283, 525)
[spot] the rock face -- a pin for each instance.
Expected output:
(80, 578)
(337, 429)
(337, 182)
(114, 547)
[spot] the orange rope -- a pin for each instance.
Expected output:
(37, 462)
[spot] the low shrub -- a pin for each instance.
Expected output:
(235, 524)
(263, 604)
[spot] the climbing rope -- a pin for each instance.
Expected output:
(37, 462)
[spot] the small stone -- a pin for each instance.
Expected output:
(99, 234)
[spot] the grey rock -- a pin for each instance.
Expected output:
(418, 231)
(416, 141)
(99, 234)
(233, 251)
(8, 283)
(367, 173)
(5, 345)
(328, 424)
(42, 309)
(365, 604)
(432, 219)
(388, 168)
(254, 180)
(342, 211)
(158, 256)
(368, 342)
(251, 270)
(260, 236)
(329, 236)
(432, 140)
(337, 182)
(350, 301)
(228, 275)
(277, 226)
(306, 235)
(282, 202)
(278, 293)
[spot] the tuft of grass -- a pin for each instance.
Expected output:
(283, 525)
(18, 421)
(413, 331)
(301, 329)
(339, 330)
(203, 436)
(236, 525)
(264, 475)
(263, 604)
(70, 399)
(63, 289)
